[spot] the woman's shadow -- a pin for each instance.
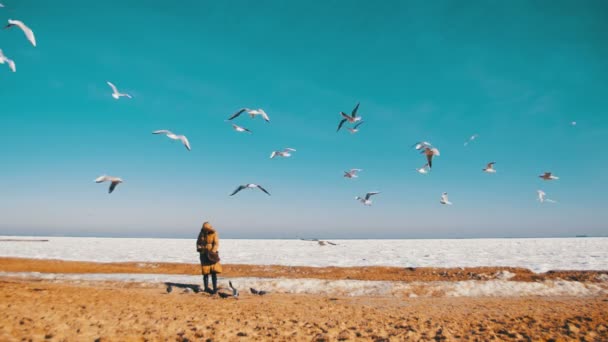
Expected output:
(193, 287)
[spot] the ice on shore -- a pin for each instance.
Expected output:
(468, 288)
(538, 255)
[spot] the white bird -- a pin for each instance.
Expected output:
(352, 173)
(29, 34)
(240, 129)
(471, 138)
(356, 128)
(249, 186)
(573, 123)
(490, 168)
(430, 153)
(285, 153)
(115, 93)
(366, 200)
(10, 62)
(114, 181)
(174, 136)
(352, 118)
(1, 5)
(422, 145)
(252, 113)
(548, 176)
(424, 169)
(542, 197)
(444, 199)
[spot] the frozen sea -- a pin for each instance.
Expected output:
(538, 255)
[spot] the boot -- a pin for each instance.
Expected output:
(206, 283)
(214, 281)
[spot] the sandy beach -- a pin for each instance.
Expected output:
(34, 309)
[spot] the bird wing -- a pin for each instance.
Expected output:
(241, 187)
(355, 170)
(435, 151)
(253, 291)
(331, 243)
(101, 179)
(359, 124)
(112, 186)
(341, 123)
(273, 154)
(369, 194)
(237, 113)
(112, 86)
(354, 112)
(260, 187)
(290, 149)
(162, 131)
(29, 34)
(490, 165)
(11, 64)
(185, 141)
(264, 115)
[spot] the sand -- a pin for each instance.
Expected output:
(106, 311)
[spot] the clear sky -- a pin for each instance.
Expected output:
(515, 72)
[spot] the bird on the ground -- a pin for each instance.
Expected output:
(240, 129)
(367, 200)
(352, 118)
(29, 34)
(252, 113)
(444, 199)
(115, 93)
(321, 242)
(352, 173)
(114, 181)
(249, 186)
(490, 168)
(548, 176)
(424, 169)
(257, 292)
(174, 136)
(422, 145)
(355, 129)
(235, 292)
(9, 62)
(430, 153)
(542, 197)
(285, 153)
(471, 138)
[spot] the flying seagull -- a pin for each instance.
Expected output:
(424, 169)
(356, 128)
(114, 181)
(422, 145)
(542, 197)
(444, 199)
(29, 34)
(430, 153)
(240, 129)
(548, 176)
(249, 186)
(352, 173)
(471, 138)
(285, 153)
(174, 136)
(573, 123)
(252, 113)
(257, 292)
(9, 62)
(490, 168)
(115, 93)
(367, 201)
(352, 118)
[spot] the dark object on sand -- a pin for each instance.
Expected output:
(193, 287)
(256, 292)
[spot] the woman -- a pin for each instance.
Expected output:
(208, 244)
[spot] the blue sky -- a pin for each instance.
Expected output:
(517, 73)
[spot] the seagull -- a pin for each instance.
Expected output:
(235, 292)
(424, 169)
(490, 168)
(174, 136)
(10, 62)
(252, 112)
(422, 145)
(352, 173)
(444, 199)
(548, 176)
(29, 34)
(573, 123)
(115, 93)
(367, 201)
(240, 129)
(1, 5)
(249, 186)
(114, 181)
(473, 137)
(430, 152)
(356, 128)
(256, 292)
(285, 153)
(352, 118)
(542, 197)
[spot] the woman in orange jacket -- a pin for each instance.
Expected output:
(208, 244)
